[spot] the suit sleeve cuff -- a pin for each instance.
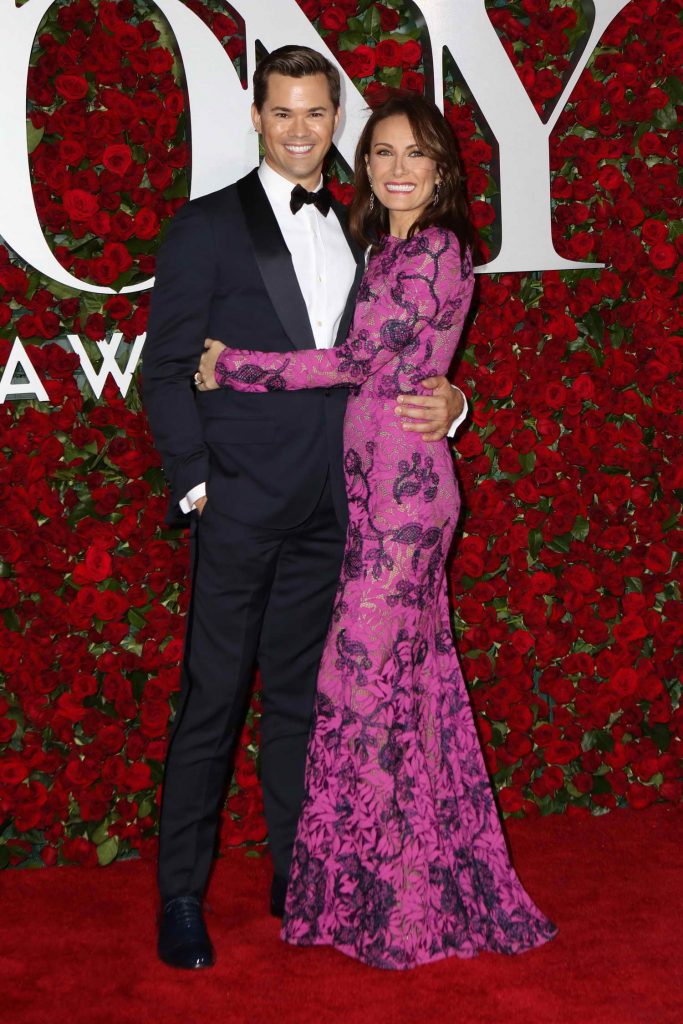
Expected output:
(459, 419)
(188, 502)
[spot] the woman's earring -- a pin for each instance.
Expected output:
(437, 189)
(372, 201)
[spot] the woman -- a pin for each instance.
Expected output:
(399, 857)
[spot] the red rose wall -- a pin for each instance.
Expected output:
(565, 579)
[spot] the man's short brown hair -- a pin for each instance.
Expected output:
(295, 62)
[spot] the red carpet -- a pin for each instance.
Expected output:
(78, 944)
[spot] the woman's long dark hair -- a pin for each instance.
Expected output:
(435, 138)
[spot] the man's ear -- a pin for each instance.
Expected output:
(256, 118)
(337, 116)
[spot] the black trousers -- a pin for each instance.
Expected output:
(257, 594)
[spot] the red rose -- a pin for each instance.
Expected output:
(388, 54)
(654, 231)
(71, 151)
(624, 682)
(71, 87)
(160, 60)
(8, 593)
(133, 463)
(663, 256)
(80, 851)
(413, 81)
(510, 800)
(80, 205)
(154, 718)
(630, 628)
(561, 752)
(117, 158)
(366, 58)
(137, 776)
(13, 771)
(334, 19)
(110, 605)
(98, 564)
(118, 307)
(81, 774)
(127, 36)
(95, 327)
(518, 744)
(146, 224)
(658, 558)
(411, 52)
(388, 19)
(359, 63)
(640, 796)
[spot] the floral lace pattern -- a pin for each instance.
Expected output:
(399, 857)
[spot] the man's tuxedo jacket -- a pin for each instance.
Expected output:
(225, 272)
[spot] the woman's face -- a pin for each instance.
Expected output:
(402, 177)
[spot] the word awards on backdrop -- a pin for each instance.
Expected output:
(459, 28)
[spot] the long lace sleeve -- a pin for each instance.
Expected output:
(432, 288)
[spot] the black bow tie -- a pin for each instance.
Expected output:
(322, 199)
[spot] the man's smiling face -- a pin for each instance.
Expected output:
(297, 122)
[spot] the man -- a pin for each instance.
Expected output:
(263, 263)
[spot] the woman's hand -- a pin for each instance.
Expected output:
(205, 377)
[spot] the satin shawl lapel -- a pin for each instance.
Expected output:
(275, 262)
(359, 257)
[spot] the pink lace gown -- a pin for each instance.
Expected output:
(399, 857)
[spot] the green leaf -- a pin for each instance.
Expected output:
(581, 528)
(101, 833)
(604, 740)
(355, 25)
(666, 117)
(351, 40)
(391, 76)
(33, 136)
(497, 736)
(136, 619)
(593, 325)
(561, 543)
(661, 735)
(535, 543)
(145, 808)
(372, 23)
(107, 851)
(673, 87)
(11, 620)
(179, 189)
(527, 461)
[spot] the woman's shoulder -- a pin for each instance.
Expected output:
(439, 246)
(438, 238)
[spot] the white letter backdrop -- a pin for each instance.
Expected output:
(224, 146)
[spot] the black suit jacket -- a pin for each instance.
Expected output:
(224, 271)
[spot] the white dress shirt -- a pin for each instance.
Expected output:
(324, 268)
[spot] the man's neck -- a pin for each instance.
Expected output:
(311, 182)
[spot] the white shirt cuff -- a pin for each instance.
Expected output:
(459, 419)
(188, 502)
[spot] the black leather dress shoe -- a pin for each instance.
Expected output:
(183, 939)
(278, 892)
